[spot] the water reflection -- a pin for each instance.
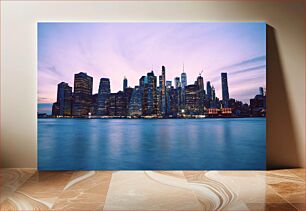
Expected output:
(151, 144)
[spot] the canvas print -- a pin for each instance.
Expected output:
(151, 96)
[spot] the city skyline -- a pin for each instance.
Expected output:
(153, 97)
(115, 50)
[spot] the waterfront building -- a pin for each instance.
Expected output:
(192, 99)
(112, 104)
(142, 81)
(231, 103)
(55, 109)
(261, 91)
(184, 78)
(200, 82)
(135, 105)
(118, 103)
(225, 92)
(179, 93)
(213, 93)
(208, 91)
(163, 91)
(168, 100)
(121, 104)
(103, 94)
(94, 104)
(125, 83)
(177, 82)
(226, 112)
(149, 100)
(168, 84)
(258, 105)
(64, 99)
(128, 95)
(159, 101)
(82, 96)
(160, 80)
(245, 111)
(183, 84)
(175, 101)
(149, 96)
(201, 93)
(237, 108)
(159, 96)
(213, 112)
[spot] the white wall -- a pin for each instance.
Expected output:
(286, 71)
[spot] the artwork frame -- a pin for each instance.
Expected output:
(155, 108)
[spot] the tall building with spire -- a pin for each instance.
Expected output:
(183, 78)
(184, 85)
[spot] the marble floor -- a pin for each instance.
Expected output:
(28, 189)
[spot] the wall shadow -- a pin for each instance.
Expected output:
(281, 146)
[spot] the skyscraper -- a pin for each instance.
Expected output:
(213, 103)
(135, 105)
(112, 104)
(184, 79)
(121, 104)
(192, 99)
(200, 82)
(160, 84)
(82, 96)
(125, 83)
(261, 91)
(201, 93)
(174, 98)
(208, 90)
(55, 109)
(177, 82)
(168, 84)
(213, 93)
(118, 104)
(103, 96)
(149, 96)
(64, 99)
(94, 104)
(142, 81)
(163, 91)
(128, 95)
(225, 93)
(183, 84)
(159, 101)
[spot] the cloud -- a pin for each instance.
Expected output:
(115, 50)
(261, 67)
(246, 62)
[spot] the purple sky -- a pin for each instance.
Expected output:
(115, 50)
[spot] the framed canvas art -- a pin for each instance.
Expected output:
(151, 96)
